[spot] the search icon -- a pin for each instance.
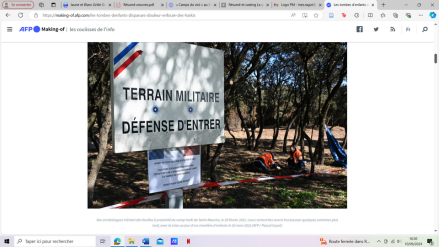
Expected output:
(425, 29)
(19, 241)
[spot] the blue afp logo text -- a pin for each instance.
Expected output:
(29, 29)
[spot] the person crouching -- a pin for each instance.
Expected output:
(296, 160)
(265, 161)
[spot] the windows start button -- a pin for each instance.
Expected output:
(18, 5)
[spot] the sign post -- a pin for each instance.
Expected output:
(174, 199)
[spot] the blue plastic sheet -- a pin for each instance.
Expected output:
(340, 156)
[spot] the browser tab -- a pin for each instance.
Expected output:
(11, 5)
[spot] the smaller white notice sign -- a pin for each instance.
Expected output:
(173, 168)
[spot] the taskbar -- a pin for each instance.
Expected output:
(214, 241)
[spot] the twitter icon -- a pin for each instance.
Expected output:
(160, 241)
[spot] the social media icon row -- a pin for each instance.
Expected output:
(392, 29)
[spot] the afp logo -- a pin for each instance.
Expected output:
(30, 29)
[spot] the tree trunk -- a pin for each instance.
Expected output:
(276, 128)
(252, 127)
(302, 130)
(309, 140)
(302, 142)
(275, 134)
(243, 123)
(261, 113)
(203, 160)
(228, 129)
(321, 142)
(284, 148)
(208, 152)
(93, 139)
(226, 122)
(296, 130)
(214, 162)
(299, 129)
(290, 124)
(97, 163)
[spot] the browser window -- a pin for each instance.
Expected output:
(152, 123)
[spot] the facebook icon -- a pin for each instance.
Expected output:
(359, 29)
(174, 241)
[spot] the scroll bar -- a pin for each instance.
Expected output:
(436, 107)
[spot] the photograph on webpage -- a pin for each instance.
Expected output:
(217, 125)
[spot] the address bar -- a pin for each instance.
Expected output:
(184, 15)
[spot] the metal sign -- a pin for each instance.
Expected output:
(166, 95)
(173, 168)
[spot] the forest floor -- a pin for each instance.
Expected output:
(124, 177)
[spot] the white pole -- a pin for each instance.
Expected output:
(174, 199)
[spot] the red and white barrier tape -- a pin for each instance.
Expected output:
(138, 201)
(205, 185)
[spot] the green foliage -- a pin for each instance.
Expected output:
(238, 178)
(229, 200)
(284, 193)
(306, 195)
(297, 203)
(342, 194)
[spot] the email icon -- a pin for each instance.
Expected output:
(160, 241)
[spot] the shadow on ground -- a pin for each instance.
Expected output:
(124, 177)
